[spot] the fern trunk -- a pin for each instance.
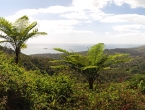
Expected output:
(17, 52)
(91, 83)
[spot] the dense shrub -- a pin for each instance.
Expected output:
(23, 90)
(138, 82)
(31, 90)
(112, 97)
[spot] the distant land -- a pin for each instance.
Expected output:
(132, 50)
(41, 60)
(137, 53)
(48, 48)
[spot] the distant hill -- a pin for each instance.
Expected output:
(137, 51)
(41, 61)
(137, 65)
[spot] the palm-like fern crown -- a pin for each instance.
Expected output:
(19, 32)
(95, 59)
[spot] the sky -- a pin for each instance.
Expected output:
(81, 21)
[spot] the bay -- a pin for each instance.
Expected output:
(48, 48)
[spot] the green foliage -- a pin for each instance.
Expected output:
(31, 90)
(24, 90)
(108, 97)
(18, 33)
(138, 82)
(41, 64)
(92, 64)
(36, 63)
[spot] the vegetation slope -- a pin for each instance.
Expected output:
(29, 86)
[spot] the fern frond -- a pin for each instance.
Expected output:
(59, 67)
(62, 50)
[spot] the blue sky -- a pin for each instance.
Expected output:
(82, 21)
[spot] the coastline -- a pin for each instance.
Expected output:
(48, 48)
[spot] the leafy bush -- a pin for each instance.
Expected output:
(138, 82)
(31, 90)
(113, 97)
(25, 90)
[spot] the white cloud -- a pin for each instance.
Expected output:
(87, 9)
(19, 14)
(76, 15)
(90, 4)
(51, 9)
(60, 26)
(91, 15)
(57, 26)
(125, 38)
(56, 9)
(63, 29)
(106, 33)
(130, 18)
(93, 4)
(89, 21)
(31, 12)
(128, 28)
(98, 15)
(132, 3)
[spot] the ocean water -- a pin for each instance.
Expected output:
(48, 48)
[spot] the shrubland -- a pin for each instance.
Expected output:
(26, 90)
(66, 89)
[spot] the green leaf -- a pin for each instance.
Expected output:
(58, 67)
(23, 46)
(62, 50)
(95, 53)
(89, 67)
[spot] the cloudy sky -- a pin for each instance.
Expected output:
(82, 21)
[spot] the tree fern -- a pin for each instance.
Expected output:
(18, 33)
(93, 63)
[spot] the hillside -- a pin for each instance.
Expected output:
(137, 51)
(41, 61)
(29, 62)
(137, 65)
(114, 89)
